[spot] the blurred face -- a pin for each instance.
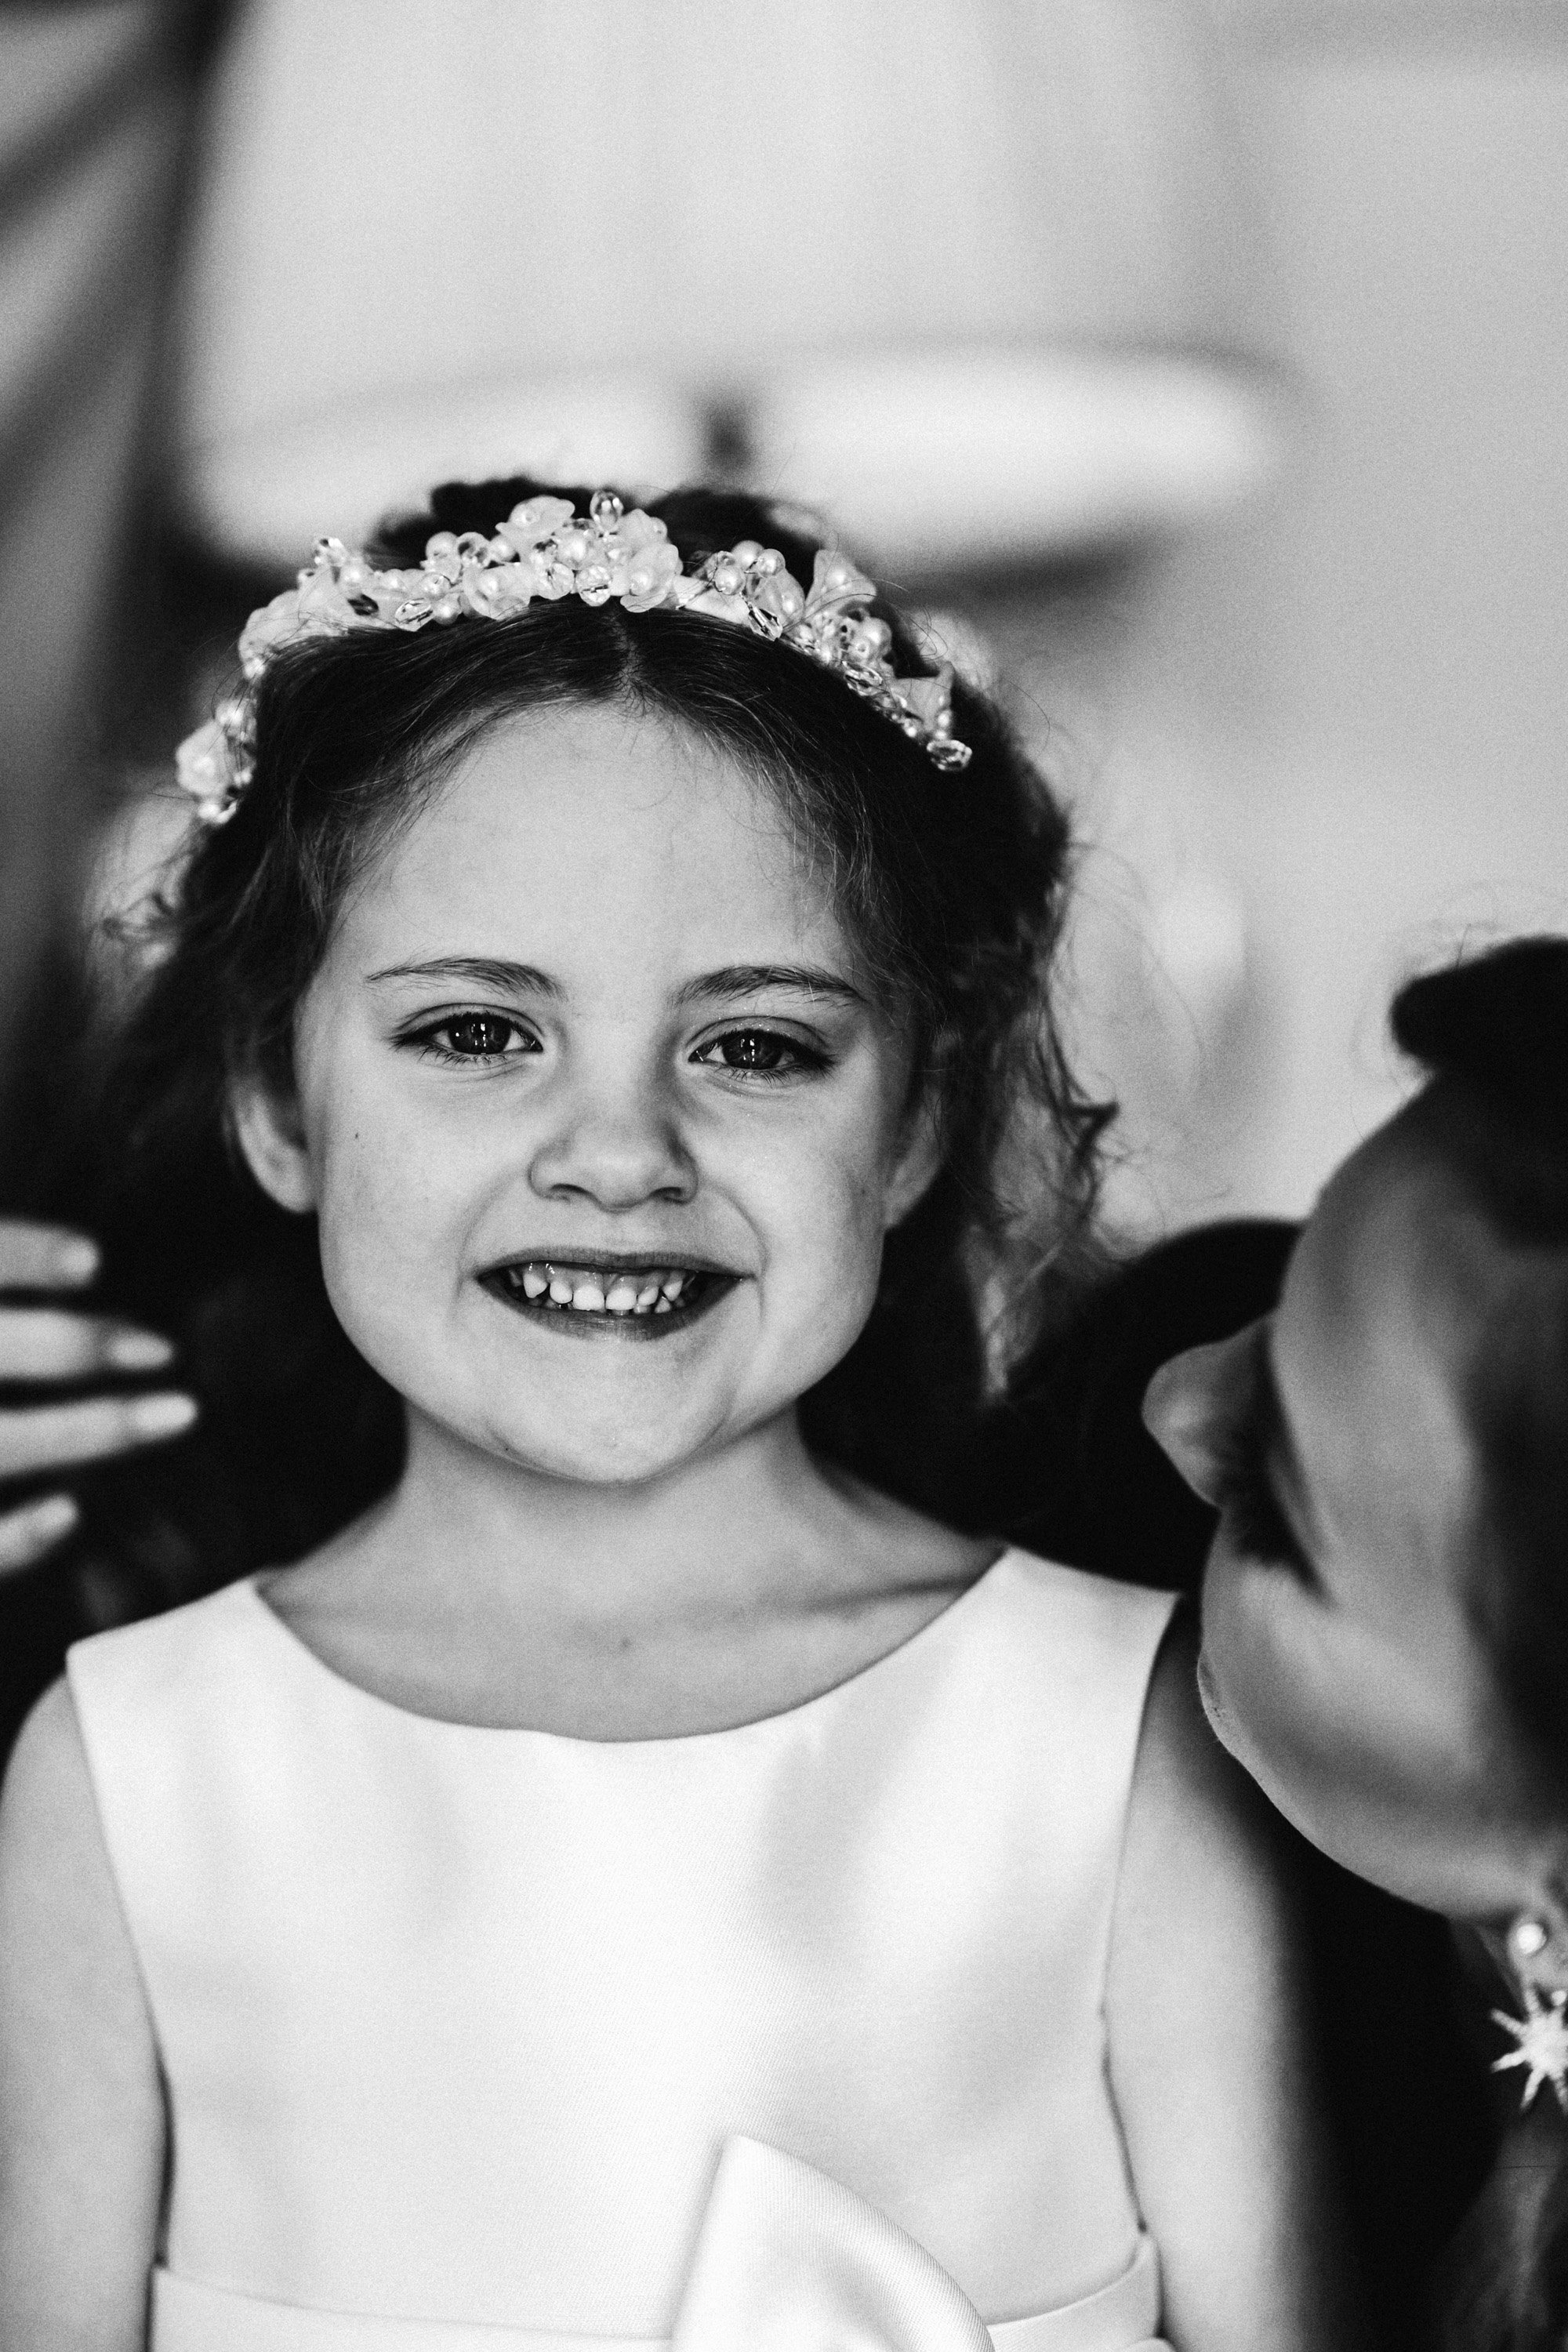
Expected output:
(602, 1122)
(1339, 1662)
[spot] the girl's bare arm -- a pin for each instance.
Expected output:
(1209, 2050)
(81, 2113)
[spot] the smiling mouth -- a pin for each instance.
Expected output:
(639, 1299)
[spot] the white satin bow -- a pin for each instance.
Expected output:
(789, 2260)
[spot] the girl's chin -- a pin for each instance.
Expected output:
(580, 1462)
(592, 1439)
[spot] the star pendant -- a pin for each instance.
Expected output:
(1542, 2035)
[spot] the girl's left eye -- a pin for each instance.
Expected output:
(758, 1054)
(475, 1037)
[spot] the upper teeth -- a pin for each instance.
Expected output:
(646, 1290)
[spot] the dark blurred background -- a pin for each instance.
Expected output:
(1201, 366)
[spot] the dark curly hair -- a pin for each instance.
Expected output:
(951, 886)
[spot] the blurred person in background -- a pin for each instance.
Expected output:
(1385, 1607)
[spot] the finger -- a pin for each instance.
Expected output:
(39, 1343)
(27, 1534)
(44, 1257)
(47, 1437)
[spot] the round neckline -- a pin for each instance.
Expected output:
(295, 1645)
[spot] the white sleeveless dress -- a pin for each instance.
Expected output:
(787, 2038)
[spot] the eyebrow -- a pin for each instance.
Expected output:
(484, 971)
(708, 987)
(752, 979)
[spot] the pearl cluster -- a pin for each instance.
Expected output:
(544, 550)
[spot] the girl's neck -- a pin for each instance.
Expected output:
(732, 1588)
(728, 1529)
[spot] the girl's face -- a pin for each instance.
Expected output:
(600, 1120)
(1342, 1660)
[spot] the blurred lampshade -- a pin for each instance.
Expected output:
(972, 275)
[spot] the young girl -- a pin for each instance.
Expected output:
(637, 1882)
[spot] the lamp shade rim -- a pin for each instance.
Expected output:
(946, 456)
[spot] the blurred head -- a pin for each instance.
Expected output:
(466, 762)
(1385, 1606)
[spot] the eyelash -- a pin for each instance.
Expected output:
(799, 1057)
(425, 1037)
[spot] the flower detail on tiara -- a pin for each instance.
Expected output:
(543, 550)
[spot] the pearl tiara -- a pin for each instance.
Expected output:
(544, 550)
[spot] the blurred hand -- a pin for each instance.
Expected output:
(40, 1344)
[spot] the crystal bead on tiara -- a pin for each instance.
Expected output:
(544, 550)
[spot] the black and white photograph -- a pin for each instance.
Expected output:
(784, 1176)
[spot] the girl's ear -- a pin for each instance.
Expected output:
(273, 1140)
(917, 1161)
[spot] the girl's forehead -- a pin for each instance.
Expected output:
(586, 768)
(593, 828)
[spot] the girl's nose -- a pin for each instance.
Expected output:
(616, 1151)
(1198, 1408)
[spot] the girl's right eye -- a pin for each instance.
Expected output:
(475, 1037)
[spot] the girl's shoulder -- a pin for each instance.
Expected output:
(141, 1694)
(161, 1651)
(1030, 1629)
(1078, 1608)
(1080, 1662)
